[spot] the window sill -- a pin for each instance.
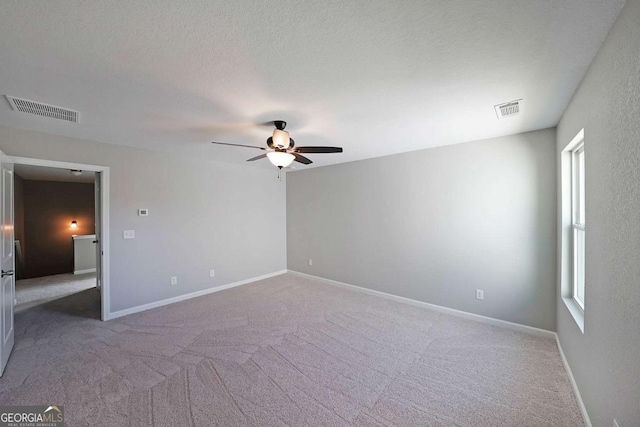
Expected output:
(576, 312)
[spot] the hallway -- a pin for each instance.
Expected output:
(40, 290)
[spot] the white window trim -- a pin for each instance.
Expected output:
(577, 223)
(567, 223)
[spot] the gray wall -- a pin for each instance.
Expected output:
(606, 359)
(434, 225)
(202, 215)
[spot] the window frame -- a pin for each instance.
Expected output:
(566, 231)
(578, 222)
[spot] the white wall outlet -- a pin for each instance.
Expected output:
(129, 234)
(212, 272)
(143, 212)
(479, 294)
(310, 262)
(174, 280)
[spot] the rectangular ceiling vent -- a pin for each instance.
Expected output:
(508, 109)
(43, 110)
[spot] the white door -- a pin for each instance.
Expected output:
(98, 230)
(7, 281)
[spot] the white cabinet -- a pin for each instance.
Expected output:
(84, 254)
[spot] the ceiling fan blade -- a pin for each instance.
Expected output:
(261, 156)
(301, 159)
(238, 145)
(318, 149)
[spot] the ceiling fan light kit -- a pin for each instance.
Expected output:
(280, 159)
(281, 138)
(281, 152)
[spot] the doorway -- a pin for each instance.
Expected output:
(74, 256)
(54, 226)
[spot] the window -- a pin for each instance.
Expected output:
(578, 221)
(572, 228)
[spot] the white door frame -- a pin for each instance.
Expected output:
(104, 217)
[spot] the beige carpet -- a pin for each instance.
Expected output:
(283, 351)
(39, 290)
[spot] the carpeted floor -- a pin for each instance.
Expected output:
(283, 351)
(39, 290)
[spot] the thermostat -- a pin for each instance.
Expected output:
(143, 212)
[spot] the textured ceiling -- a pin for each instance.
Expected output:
(376, 77)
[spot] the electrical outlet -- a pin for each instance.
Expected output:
(479, 294)
(174, 280)
(129, 234)
(310, 262)
(212, 272)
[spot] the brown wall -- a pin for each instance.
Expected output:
(49, 208)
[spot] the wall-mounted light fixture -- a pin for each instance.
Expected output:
(74, 224)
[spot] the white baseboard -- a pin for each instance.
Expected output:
(574, 385)
(484, 319)
(88, 270)
(144, 307)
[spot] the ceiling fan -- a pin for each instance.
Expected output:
(281, 149)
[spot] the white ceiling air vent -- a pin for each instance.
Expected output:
(508, 109)
(43, 110)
